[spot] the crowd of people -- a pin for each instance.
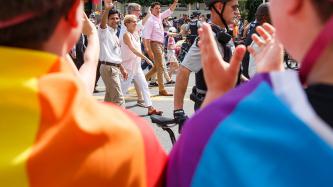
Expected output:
(273, 128)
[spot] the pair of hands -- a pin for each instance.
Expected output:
(268, 58)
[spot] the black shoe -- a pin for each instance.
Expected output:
(97, 91)
(170, 82)
(153, 84)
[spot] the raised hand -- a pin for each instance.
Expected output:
(268, 53)
(219, 75)
(108, 4)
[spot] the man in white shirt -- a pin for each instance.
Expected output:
(110, 56)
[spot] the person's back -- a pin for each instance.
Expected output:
(269, 131)
(54, 132)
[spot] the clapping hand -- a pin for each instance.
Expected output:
(214, 65)
(268, 53)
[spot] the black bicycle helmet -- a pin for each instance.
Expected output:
(210, 3)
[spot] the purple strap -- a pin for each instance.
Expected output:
(324, 39)
(17, 20)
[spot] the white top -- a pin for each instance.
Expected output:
(131, 62)
(123, 29)
(110, 45)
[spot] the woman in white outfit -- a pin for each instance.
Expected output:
(131, 56)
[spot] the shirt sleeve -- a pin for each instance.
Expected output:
(102, 33)
(166, 14)
(192, 60)
(147, 30)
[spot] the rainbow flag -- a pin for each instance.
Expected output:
(261, 134)
(54, 134)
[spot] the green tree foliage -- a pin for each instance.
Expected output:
(251, 6)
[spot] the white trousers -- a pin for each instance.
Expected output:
(139, 78)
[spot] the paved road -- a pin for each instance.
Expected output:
(161, 103)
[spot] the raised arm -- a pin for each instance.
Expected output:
(108, 6)
(88, 69)
(174, 5)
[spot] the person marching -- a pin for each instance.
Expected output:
(131, 56)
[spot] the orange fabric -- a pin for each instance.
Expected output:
(81, 142)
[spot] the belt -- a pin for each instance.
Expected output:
(156, 42)
(110, 64)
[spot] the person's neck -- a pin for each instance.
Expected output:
(56, 47)
(322, 70)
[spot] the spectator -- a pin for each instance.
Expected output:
(269, 131)
(57, 134)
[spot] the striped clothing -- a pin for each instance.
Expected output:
(263, 133)
(54, 134)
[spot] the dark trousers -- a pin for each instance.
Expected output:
(98, 73)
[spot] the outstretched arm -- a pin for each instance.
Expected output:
(108, 6)
(173, 5)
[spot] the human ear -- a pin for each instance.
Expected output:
(293, 6)
(73, 16)
(219, 6)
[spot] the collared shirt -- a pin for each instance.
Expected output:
(61, 127)
(153, 29)
(110, 45)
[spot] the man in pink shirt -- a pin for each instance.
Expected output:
(153, 33)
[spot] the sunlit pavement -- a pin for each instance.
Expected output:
(162, 103)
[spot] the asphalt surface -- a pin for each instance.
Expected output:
(164, 104)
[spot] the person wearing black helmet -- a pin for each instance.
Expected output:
(222, 14)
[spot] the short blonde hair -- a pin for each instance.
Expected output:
(129, 18)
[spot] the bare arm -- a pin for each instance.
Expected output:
(108, 6)
(180, 87)
(146, 43)
(174, 5)
(128, 42)
(88, 69)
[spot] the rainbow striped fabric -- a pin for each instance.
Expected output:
(54, 134)
(263, 133)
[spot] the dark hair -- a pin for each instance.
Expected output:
(324, 9)
(34, 32)
(112, 12)
(262, 14)
(155, 4)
